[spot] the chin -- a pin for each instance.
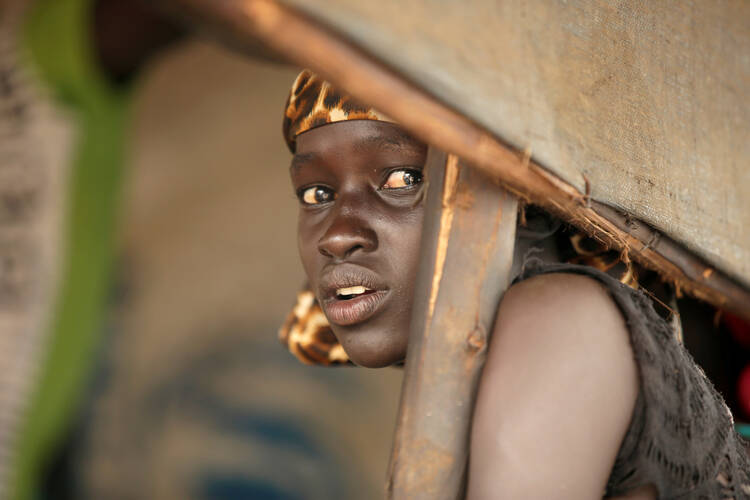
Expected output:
(372, 349)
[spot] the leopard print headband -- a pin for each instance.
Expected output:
(314, 102)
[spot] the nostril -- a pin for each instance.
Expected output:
(354, 249)
(342, 251)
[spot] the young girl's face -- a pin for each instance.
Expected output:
(359, 185)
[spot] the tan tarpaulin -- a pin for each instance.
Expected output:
(647, 101)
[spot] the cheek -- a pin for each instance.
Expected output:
(307, 247)
(413, 238)
(405, 241)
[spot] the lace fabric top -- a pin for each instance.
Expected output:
(681, 436)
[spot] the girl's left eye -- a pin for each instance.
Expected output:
(402, 178)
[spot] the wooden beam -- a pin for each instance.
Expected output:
(466, 257)
(309, 44)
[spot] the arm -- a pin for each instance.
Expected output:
(556, 394)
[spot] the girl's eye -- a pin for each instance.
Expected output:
(402, 179)
(316, 195)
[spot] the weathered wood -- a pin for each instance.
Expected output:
(309, 44)
(644, 102)
(467, 252)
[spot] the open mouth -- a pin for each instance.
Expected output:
(352, 292)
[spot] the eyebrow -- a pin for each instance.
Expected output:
(300, 159)
(400, 140)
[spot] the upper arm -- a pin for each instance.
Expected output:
(556, 395)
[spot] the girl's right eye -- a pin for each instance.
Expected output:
(315, 195)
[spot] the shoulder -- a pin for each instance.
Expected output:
(556, 394)
(564, 318)
(570, 297)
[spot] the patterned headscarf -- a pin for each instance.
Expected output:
(314, 102)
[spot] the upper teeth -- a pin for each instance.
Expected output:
(352, 290)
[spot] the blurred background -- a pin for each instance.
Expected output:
(194, 397)
(160, 375)
(147, 259)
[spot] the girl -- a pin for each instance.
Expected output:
(634, 417)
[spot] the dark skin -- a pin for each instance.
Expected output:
(367, 221)
(360, 190)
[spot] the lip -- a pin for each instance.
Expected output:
(353, 311)
(356, 310)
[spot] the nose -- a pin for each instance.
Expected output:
(345, 236)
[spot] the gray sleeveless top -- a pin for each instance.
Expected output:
(681, 436)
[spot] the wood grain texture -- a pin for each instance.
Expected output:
(308, 43)
(467, 252)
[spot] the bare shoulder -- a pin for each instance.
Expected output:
(573, 297)
(556, 394)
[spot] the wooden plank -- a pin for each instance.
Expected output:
(307, 43)
(467, 253)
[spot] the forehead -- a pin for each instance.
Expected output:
(357, 136)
